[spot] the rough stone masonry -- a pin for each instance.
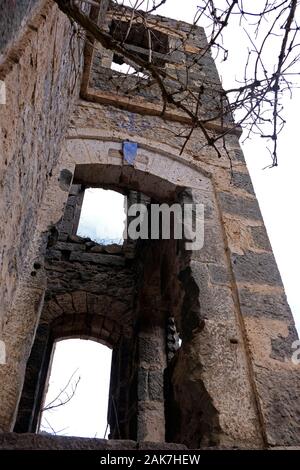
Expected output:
(232, 382)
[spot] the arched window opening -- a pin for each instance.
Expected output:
(76, 399)
(103, 216)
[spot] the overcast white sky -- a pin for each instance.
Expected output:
(85, 414)
(102, 216)
(278, 193)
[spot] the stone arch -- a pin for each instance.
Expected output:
(91, 318)
(95, 327)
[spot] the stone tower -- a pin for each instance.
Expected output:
(63, 128)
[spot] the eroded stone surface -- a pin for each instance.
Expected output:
(243, 207)
(14, 441)
(256, 268)
(264, 303)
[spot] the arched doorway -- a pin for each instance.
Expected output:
(76, 394)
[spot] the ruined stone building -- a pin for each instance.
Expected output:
(67, 115)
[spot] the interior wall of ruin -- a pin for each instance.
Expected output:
(90, 294)
(41, 69)
(13, 15)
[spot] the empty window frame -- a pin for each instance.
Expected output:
(103, 216)
(149, 44)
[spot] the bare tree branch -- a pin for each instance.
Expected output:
(60, 399)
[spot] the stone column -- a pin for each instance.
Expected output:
(151, 353)
(152, 363)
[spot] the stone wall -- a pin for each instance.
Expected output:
(232, 383)
(182, 58)
(41, 84)
(14, 441)
(12, 17)
(243, 278)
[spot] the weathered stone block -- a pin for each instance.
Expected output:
(242, 181)
(258, 268)
(113, 249)
(77, 239)
(219, 274)
(14, 441)
(239, 155)
(149, 349)
(12, 16)
(216, 301)
(282, 345)
(260, 238)
(63, 237)
(97, 249)
(273, 305)
(213, 250)
(65, 226)
(278, 392)
(156, 385)
(62, 246)
(201, 197)
(243, 207)
(143, 385)
(97, 258)
(54, 255)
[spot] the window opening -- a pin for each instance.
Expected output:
(103, 216)
(141, 40)
(76, 399)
